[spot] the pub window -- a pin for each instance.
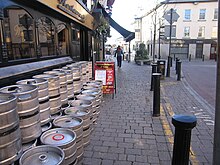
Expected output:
(18, 33)
(46, 33)
(75, 34)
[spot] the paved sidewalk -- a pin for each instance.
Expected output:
(127, 134)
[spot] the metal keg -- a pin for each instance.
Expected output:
(54, 116)
(97, 101)
(90, 69)
(42, 155)
(10, 134)
(85, 115)
(63, 86)
(92, 99)
(43, 97)
(28, 110)
(75, 124)
(70, 86)
(63, 138)
(83, 104)
(83, 65)
(46, 127)
(77, 77)
(54, 91)
(27, 146)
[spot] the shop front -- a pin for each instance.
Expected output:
(42, 31)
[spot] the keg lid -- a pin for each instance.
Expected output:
(6, 98)
(42, 155)
(90, 92)
(58, 137)
(76, 112)
(86, 97)
(27, 146)
(19, 89)
(46, 127)
(34, 81)
(81, 103)
(68, 122)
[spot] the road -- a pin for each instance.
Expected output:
(201, 76)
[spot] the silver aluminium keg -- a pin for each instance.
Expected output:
(63, 86)
(75, 124)
(10, 134)
(54, 91)
(84, 114)
(43, 155)
(28, 110)
(63, 138)
(43, 97)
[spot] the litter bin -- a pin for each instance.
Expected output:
(161, 68)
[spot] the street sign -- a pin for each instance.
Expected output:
(175, 16)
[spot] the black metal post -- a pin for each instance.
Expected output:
(183, 127)
(156, 95)
(159, 45)
(171, 61)
(179, 70)
(129, 52)
(177, 59)
(203, 57)
(174, 57)
(154, 70)
(190, 57)
(168, 62)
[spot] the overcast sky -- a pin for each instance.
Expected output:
(124, 11)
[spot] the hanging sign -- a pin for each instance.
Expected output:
(105, 71)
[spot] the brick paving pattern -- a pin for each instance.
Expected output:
(127, 134)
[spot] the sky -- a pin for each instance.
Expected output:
(124, 11)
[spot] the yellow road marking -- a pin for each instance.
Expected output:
(167, 129)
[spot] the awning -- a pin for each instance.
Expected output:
(125, 33)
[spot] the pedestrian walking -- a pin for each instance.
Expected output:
(119, 53)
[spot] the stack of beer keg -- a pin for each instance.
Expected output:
(49, 118)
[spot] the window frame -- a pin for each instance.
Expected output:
(186, 31)
(202, 14)
(187, 16)
(201, 31)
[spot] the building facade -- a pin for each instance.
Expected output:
(47, 33)
(194, 33)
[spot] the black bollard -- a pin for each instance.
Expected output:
(154, 70)
(168, 68)
(156, 95)
(177, 59)
(174, 57)
(203, 57)
(183, 126)
(171, 61)
(190, 57)
(179, 70)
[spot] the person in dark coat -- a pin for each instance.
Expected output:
(119, 53)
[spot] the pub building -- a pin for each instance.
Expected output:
(38, 35)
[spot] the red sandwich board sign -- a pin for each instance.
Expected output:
(105, 71)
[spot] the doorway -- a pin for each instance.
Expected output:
(199, 50)
(213, 51)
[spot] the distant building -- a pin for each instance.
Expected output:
(194, 33)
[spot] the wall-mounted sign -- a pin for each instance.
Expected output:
(69, 9)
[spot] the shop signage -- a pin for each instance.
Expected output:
(69, 9)
(105, 71)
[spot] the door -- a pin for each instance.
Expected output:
(199, 50)
(213, 51)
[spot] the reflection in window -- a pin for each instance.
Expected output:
(201, 32)
(216, 13)
(18, 32)
(46, 32)
(186, 31)
(187, 15)
(75, 34)
(202, 13)
(214, 32)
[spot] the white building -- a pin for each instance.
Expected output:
(193, 34)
